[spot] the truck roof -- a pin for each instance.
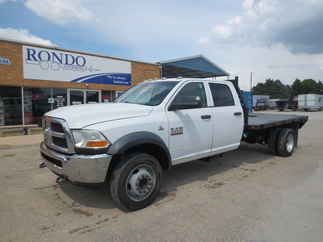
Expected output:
(184, 79)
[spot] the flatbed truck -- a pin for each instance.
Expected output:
(128, 144)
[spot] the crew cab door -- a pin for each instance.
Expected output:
(190, 127)
(228, 117)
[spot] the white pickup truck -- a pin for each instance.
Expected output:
(152, 127)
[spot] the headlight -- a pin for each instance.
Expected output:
(85, 138)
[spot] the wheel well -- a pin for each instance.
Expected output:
(294, 126)
(155, 150)
(262, 136)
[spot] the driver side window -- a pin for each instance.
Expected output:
(191, 91)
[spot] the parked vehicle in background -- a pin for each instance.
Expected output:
(272, 103)
(262, 104)
(255, 98)
(293, 104)
(155, 125)
(310, 102)
(282, 104)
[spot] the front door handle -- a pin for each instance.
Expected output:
(237, 114)
(206, 116)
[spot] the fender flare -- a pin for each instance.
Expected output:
(137, 138)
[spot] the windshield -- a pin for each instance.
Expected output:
(148, 93)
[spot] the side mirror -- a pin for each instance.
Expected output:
(188, 102)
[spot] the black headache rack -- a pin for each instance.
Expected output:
(235, 83)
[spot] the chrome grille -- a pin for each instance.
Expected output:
(57, 135)
(59, 141)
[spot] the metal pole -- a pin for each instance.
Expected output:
(52, 97)
(250, 81)
(22, 106)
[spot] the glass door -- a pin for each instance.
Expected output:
(76, 97)
(79, 96)
(92, 96)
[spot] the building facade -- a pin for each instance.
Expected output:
(35, 79)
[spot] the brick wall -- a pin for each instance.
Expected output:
(12, 75)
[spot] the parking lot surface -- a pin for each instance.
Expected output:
(247, 195)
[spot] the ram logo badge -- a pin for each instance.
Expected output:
(176, 131)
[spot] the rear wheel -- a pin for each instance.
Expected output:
(286, 142)
(135, 182)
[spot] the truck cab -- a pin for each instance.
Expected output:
(155, 125)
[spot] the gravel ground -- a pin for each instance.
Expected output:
(247, 195)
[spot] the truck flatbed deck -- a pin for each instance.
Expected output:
(260, 121)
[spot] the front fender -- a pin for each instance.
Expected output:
(137, 138)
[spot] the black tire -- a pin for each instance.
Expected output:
(120, 186)
(272, 140)
(286, 142)
(296, 138)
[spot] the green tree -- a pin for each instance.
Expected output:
(309, 86)
(320, 86)
(296, 88)
(273, 88)
(276, 89)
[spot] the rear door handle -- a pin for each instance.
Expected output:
(237, 114)
(206, 116)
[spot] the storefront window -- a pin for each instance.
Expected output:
(108, 96)
(92, 96)
(76, 97)
(10, 105)
(37, 101)
(119, 93)
(59, 97)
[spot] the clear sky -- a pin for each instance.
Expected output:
(281, 39)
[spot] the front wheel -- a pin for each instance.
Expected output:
(135, 182)
(286, 142)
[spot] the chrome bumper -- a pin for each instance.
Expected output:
(76, 168)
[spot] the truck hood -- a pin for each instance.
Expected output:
(80, 116)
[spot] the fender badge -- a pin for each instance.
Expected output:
(160, 128)
(177, 131)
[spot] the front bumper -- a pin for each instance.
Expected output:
(76, 168)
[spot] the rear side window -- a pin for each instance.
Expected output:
(222, 96)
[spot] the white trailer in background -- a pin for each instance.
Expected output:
(260, 102)
(310, 102)
(255, 98)
(272, 103)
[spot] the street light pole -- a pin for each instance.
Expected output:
(250, 81)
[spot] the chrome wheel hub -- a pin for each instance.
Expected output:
(290, 143)
(141, 182)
